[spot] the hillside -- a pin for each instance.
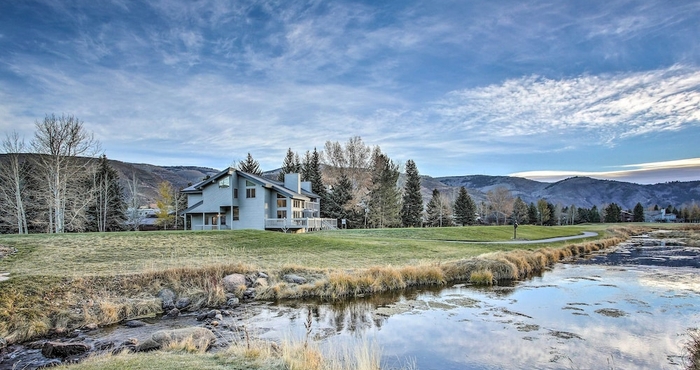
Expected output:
(580, 191)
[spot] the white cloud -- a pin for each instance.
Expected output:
(643, 173)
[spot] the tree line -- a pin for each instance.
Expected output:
(65, 186)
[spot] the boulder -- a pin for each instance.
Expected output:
(234, 283)
(3, 343)
(172, 314)
(182, 303)
(294, 279)
(203, 338)
(63, 350)
(168, 298)
(134, 324)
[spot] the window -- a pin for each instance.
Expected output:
(235, 193)
(236, 216)
(281, 214)
(297, 214)
(225, 182)
(281, 203)
(296, 203)
(250, 189)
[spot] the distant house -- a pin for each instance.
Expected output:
(659, 216)
(233, 199)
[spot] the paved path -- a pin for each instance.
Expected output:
(586, 234)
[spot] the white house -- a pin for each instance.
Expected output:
(233, 199)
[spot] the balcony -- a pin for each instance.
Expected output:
(309, 224)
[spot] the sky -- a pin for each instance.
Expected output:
(539, 89)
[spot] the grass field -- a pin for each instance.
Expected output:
(106, 254)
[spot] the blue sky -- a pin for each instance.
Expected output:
(605, 88)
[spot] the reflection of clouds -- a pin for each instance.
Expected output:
(683, 280)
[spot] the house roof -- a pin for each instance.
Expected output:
(264, 182)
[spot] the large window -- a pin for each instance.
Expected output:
(298, 203)
(281, 214)
(281, 201)
(225, 182)
(236, 216)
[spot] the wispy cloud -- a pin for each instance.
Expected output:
(643, 173)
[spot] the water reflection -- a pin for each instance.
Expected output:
(581, 316)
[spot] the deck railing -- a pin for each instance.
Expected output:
(302, 223)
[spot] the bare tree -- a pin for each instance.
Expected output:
(133, 216)
(13, 178)
(59, 141)
(501, 202)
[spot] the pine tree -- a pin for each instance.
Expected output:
(412, 204)
(384, 197)
(108, 210)
(543, 212)
(594, 215)
(250, 165)
(520, 211)
(438, 211)
(315, 176)
(638, 213)
(532, 218)
(338, 198)
(289, 165)
(613, 213)
(465, 208)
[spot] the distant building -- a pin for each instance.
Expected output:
(233, 199)
(659, 216)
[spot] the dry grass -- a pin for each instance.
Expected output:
(693, 351)
(481, 277)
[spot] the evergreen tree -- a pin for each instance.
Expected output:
(339, 197)
(289, 165)
(412, 205)
(594, 215)
(532, 214)
(250, 165)
(613, 213)
(464, 208)
(108, 209)
(543, 212)
(315, 176)
(438, 211)
(638, 213)
(520, 211)
(384, 197)
(553, 219)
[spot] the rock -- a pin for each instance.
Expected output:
(234, 282)
(172, 314)
(3, 343)
(214, 323)
(294, 279)
(202, 316)
(218, 317)
(168, 298)
(249, 293)
(233, 302)
(203, 338)
(63, 350)
(262, 275)
(91, 326)
(134, 324)
(103, 346)
(182, 303)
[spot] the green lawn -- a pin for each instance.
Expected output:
(104, 254)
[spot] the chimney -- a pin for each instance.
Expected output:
(292, 181)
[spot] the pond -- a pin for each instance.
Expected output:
(627, 309)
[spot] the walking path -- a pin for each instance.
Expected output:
(586, 234)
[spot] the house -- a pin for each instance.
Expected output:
(659, 216)
(233, 199)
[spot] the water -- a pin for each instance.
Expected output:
(628, 309)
